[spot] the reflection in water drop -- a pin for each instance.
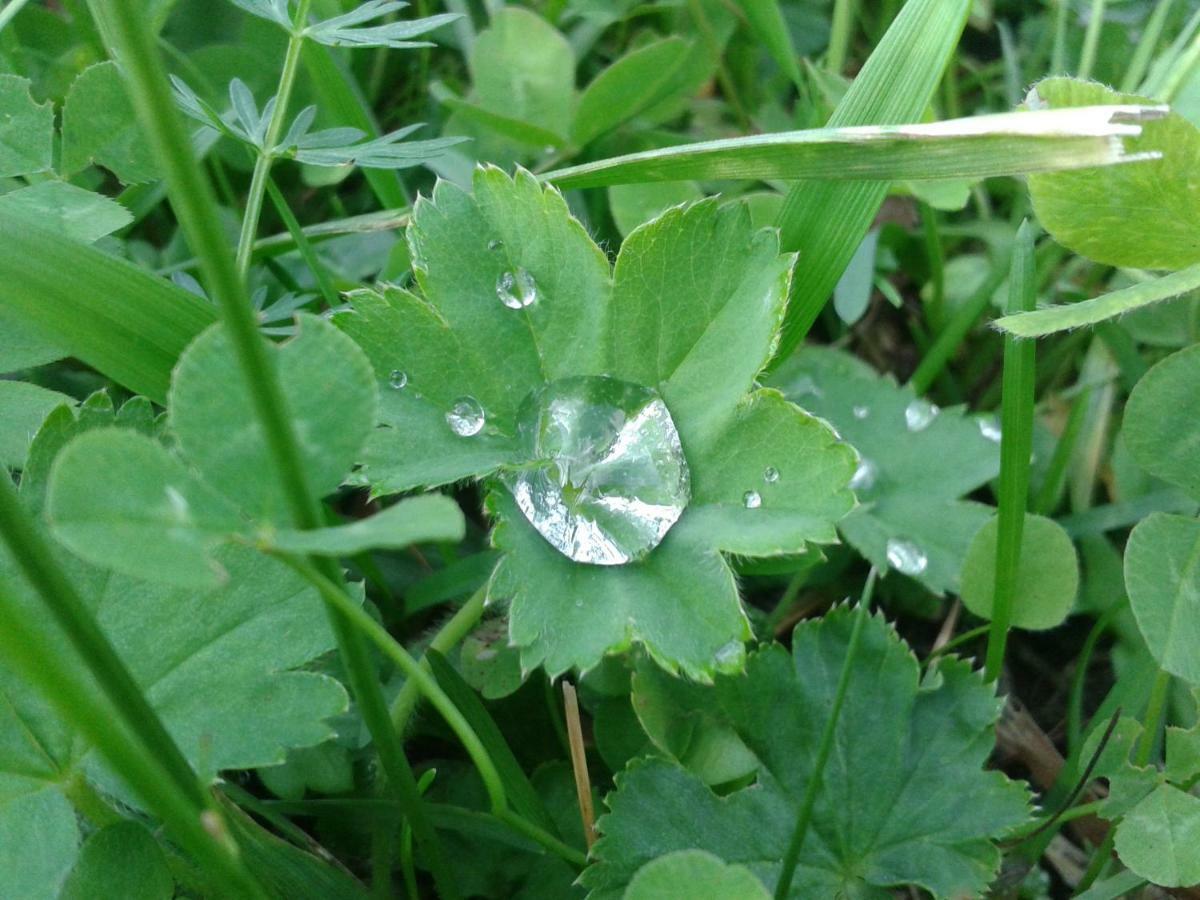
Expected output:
(398, 378)
(919, 414)
(495, 244)
(752, 499)
(863, 478)
(516, 289)
(466, 417)
(861, 412)
(989, 428)
(608, 477)
(770, 475)
(730, 655)
(906, 557)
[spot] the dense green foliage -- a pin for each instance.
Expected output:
(443, 441)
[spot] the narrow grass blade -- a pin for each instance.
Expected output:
(1016, 444)
(119, 319)
(767, 23)
(826, 221)
(1041, 322)
(980, 147)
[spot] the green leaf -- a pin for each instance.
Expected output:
(902, 497)
(116, 317)
(1162, 576)
(99, 126)
(351, 29)
(694, 875)
(147, 515)
(979, 147)
(1162, 420)
(1144, 215)
(412, 521)
(633, 204)
(79, 214)
(38, 831)
(1047, 580)
(1158, 838)
(886, 814)
(22, 408)
(633, 83)
(1041, 322)
(122, 860)
(522, 68)
(826, 221)
(680, 602)
(22, 346)
(330, 396)
(767, 22)
(26, 129)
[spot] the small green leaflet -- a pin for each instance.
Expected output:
(696, 875)
(26, 129)
(907, 749)
(1162, 420)
(99, 127)
(905, 503)
(22, 408)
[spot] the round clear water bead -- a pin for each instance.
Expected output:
(398, 378)
(607, 477)
(516, 289)
(752, 499)
(906, 557)
(864, 476)
(919, 414)
(466, 417)
(771, 475)
(861, 412)
(989, 428)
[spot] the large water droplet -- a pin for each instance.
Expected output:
(861, 412)
(752, 499)
(906, 557)
(919, 414)
(863, 478)
(516, 289)
(770, 475)
(398, 378)
(608, 477)
(466, 417)
(730, 655)
(989, 428)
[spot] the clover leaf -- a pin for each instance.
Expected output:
(889, 812)
(613, 413)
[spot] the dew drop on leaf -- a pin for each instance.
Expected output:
(495, 244)
(989, 428)
(466, 417)
(730, 655)
(919, 414)
(398, 378)
(516, 289)
(863, 478)
(770, 475)
(861, 412)
(906, 557)
(752, 499)
(607, 477)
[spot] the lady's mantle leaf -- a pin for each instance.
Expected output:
(695, 875)
(889, 811)
(903, 497)
(99, 126)
(26, 129)
(23, 406)
(122, 860)
(331, 402)
(1143, 215)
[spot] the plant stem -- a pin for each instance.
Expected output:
(118, 721)
(1056, 473)
(7, 14)
(266, 153)
(1079, 681)
(840, 30)
(457, 628)
(1091, 39)
(303, 244)
(583, 784)
(787, 870)
(1058, 57)
(954, 643)
(1146, 46)
(1016, 444)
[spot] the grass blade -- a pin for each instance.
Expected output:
(1016, 444)
(826, 221)
(1041, 322)
(979, 147)
(767, 23)
(119, 319)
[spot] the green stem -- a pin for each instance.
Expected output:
(1056, 473)
(1079, 681)
(1016, 444)
(303, 244)
(1058, 57)
(1091, 39)
(457, 628)
(1146, 46)
(954, 643)
(7, 14)
(787, 869)
(266, 153)
(840, 31)
(427, 685)
(131, 740)
(196, 209)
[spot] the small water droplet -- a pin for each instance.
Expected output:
(919, 414)
(398, 378)
(804, 386)
(770, 475)
(906, 557)
(579, 603)
(863, 478)
(752, 499)
(180, 508)
(989, 428)
(466, 417)
(495, 244)
(516, 289)
(861, 412)
(609, 478)
(486, 654)
(730, 655)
